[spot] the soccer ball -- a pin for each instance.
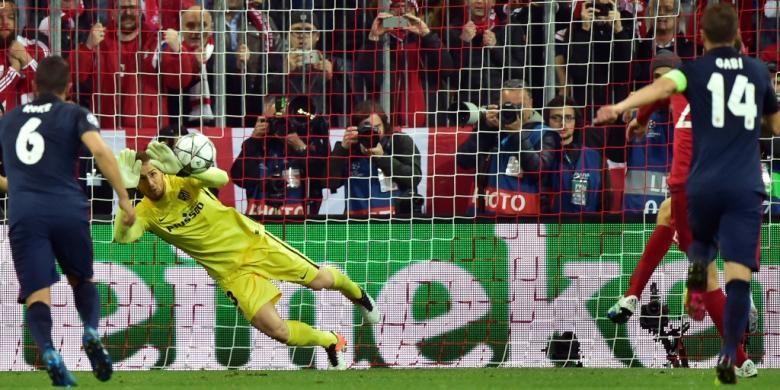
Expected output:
(195, 152)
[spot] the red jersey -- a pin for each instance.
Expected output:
(128, 80)
(16, 86)
(682, 148)
(682, 155)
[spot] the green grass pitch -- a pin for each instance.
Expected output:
(428, 379)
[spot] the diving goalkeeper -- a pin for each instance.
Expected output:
(236, 251)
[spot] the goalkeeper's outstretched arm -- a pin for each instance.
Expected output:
(124, 234)
(212, 177)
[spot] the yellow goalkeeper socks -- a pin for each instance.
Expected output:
(303, 335)
(344, 284)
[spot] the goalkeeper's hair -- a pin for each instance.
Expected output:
(52, 76)
(142, 156)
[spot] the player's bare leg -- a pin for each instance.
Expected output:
(330, 278)
(296, 333)
(737, 310)
(39, 322)
(655, 250)
(87, 302)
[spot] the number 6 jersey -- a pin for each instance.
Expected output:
(40, 143)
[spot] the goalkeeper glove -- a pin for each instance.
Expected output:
(163, 158)
(129, 168)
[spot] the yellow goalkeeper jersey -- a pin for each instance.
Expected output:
(192, 219)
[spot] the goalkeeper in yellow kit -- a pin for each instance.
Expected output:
(236, 251)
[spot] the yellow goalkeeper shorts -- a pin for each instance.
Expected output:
(250, 287)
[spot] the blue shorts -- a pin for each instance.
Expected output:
(37, 241)
(729, 222)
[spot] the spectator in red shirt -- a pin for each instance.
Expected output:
(75, 24)
(118, 71)
(192, 97)
(170, 11)
(18, 60)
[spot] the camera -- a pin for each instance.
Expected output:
(467, 113)
(292, 116)
(275, 184)
(602, 10)
(655, 319)
(395, 22)
(563, 349)
(368, 135)
(311, 57)
(654, 315)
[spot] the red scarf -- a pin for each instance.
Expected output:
(263, 27)
(199, 94)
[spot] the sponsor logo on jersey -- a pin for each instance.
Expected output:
(187, 217)
(184, 195)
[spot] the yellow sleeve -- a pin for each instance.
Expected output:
(124, 234)
(211, 178)
(679, 79)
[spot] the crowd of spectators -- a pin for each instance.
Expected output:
(295, 70)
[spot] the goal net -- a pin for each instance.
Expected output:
(482, 247)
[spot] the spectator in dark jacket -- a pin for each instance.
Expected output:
(249, 38)
(663, 34)
(379, 169)
(307, 71)
(282, 166)
(525, 55)
(599, 52)
(509, 158)
(576, 183)
(484, 50)
(417, 62)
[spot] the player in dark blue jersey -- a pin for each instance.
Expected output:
(48, 212)
(728, 95)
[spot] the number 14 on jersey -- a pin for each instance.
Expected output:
(741, 103)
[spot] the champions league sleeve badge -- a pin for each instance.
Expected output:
(513, 167)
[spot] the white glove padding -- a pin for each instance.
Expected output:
(163, 158)
(129, 168)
